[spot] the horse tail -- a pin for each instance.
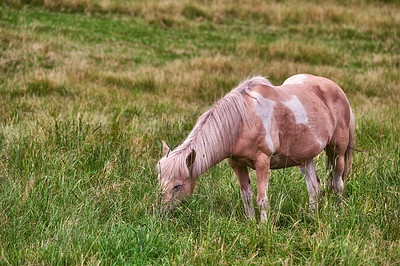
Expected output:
(347, 154)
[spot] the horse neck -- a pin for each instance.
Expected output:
(216, 132)
(207, 156)
(210, 147)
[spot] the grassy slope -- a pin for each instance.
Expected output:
(89, 88)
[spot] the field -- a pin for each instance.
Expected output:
(90, 88)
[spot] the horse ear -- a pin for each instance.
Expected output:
(166, 149)
(190, 159)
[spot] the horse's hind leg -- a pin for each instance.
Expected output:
(337, 180)
(336, 162)
(244, 181)
(312, 181)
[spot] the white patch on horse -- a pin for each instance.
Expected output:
(264, 109)
(298, 110)
(296, 79)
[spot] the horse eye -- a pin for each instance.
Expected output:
(178, 187)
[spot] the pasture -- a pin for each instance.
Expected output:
(90, 88)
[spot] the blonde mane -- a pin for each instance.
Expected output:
(214, 134)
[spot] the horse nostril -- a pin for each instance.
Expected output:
(178, 187)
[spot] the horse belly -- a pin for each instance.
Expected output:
(296, 154)
(279, 161)
(299, 143)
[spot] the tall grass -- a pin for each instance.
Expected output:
(89, 89)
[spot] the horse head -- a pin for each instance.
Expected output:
(175, 176)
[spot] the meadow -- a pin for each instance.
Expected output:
(90, 88)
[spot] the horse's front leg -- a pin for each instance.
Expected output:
(244, 181)
(262, 171)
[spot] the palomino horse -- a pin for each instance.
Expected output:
(265, 127)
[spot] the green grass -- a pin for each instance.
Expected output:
(89, 88)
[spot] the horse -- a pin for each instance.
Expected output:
(262, 126)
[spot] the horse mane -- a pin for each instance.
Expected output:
(215, 132)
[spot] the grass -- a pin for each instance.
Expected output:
(89, 88)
